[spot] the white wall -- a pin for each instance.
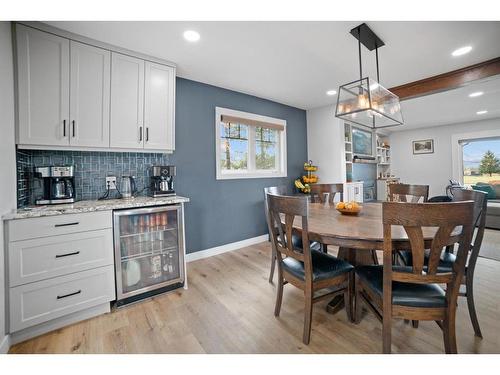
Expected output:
(325, 144)
(7, 153)
(432, 169)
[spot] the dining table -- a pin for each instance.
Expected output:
(357, 236)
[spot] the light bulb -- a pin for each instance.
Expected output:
(362, 101)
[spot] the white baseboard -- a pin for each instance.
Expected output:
(5, 345)
(225, 248)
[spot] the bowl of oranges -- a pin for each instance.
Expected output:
(348, 208)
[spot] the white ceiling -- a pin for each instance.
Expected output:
(295, 63)
(452, 106)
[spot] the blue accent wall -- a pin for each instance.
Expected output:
(225, 211)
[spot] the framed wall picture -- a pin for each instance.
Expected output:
(362, 142)
(425, 146)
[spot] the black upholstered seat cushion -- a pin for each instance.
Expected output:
(325, 266)
(403, 294)
(297, 243)
(445, 263)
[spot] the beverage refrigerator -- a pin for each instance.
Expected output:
(149, 251)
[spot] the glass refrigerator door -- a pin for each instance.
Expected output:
(147, 245)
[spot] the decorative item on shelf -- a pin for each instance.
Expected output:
(365, 101)
(348, 208)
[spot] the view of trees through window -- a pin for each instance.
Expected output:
(234, 147)
(481, 162)
(265, 148)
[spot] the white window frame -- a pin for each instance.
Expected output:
(250, 172)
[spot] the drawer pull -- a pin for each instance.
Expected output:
(67, 224)
(69, 295)
(67, 255)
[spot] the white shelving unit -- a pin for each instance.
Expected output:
(384, 176)
(348, 151)
(383, 153)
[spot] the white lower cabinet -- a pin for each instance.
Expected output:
(43, 301)
(41, 258)
(60, 269)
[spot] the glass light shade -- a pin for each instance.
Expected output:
(365, 102)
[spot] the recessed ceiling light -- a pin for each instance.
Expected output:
(461, 51)
(331, 92)
(481, 112)
(476, 94)
(191, 35)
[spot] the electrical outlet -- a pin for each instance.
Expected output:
(111, 182)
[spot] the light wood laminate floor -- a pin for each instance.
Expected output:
(229, 306)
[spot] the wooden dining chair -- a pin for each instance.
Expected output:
(448, 257)
(297, 240)
(414, 292)
(408, 193)
(318, 192)
(310, 271)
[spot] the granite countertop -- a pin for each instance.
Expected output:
(90, 206)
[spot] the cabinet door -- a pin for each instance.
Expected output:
(358, 193)
(159, 99)
(89, 100)
(43, 87)
(127, 101)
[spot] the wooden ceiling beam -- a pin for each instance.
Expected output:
(448, 81)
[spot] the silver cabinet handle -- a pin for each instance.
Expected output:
(67, 254)
(69, 295)
(140, 133)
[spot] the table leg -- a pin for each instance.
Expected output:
(356, 258)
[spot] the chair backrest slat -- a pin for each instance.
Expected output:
(480, 206)
(403, 192)
(451, 221)
(318, 191)
(282, 213)
(276, 190)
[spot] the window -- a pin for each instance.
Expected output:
(249, 145)
(481, 164)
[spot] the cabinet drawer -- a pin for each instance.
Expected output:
(42, 258)
(39, 302)
(46, 226)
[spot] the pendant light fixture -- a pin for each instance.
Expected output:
(365, 101)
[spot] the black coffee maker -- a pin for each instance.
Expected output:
(162, 181)
(58, 184)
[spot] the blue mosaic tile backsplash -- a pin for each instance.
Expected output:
(91, 169)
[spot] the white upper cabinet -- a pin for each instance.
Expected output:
(43, 87)
(127, 101)
(159, 106)
(74, 95)
(90, 95)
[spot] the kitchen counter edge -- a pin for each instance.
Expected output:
(91, 206)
